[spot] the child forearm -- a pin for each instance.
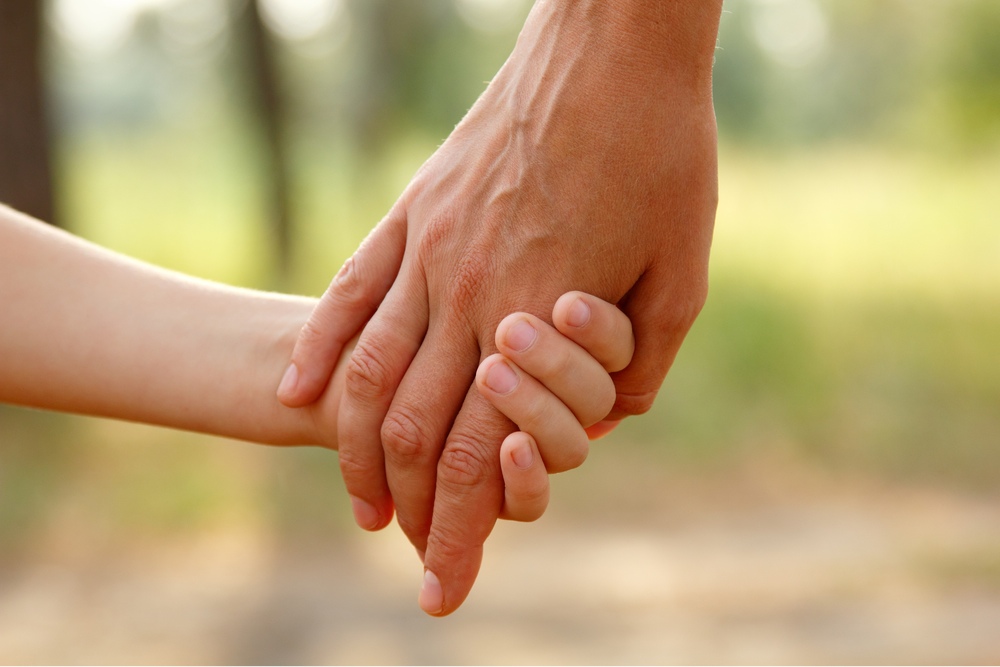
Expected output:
(88, 331)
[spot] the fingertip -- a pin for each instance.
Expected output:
(496, 375)
(367, 516)
(500, 336)
(520, 449)
(299, 389)
(526, 482)
(522, 452)
(431, 598)
(315, 355)
(441, 594)
(484, 368)
(289, 381)
(602, 428)
(350, 300)
(571, 310)
(597, 326)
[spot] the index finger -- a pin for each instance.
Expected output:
(467, 504)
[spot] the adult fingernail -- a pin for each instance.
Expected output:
(521, 336)
(431, 595)
(579, 313)
(346, 272)
(365, 514)
(289, 380)
(501, 378)
(523, 458)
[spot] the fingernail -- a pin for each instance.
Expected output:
(431, 595)
(579, 314)
(522, 456)
(289, 380)
(521, 336)
(346, 272)
(365, 514)
(501, 378)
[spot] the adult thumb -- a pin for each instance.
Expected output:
(348, 303)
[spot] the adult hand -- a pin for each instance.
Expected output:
(589, 163)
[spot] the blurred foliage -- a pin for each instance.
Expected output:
(973, 67)
(913, 73)
(373, 72)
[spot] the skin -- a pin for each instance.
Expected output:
(89, 331)
(588, 163)
(93, 332)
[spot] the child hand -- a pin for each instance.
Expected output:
(555, 384)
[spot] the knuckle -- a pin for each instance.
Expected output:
(367, 376)
(535, 414)
(348, 288)
(353, 466)
(312, 332)
(463, 463)
(447, 544)
(527, 506)
(438, 231)
(686, 311)
(466, 268)
(470, 276)
(533, 499)
(403, 436)
(558, 362)
(346, 281)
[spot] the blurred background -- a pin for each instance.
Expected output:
(818, 482)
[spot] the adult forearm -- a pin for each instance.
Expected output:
(88, 331)
(676, 33)
(675, 39)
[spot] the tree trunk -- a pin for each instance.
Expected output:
(267, 108)
(25, 168)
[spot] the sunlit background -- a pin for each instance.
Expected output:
(820, 478)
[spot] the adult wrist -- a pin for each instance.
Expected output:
(676, 38)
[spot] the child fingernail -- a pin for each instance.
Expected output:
(365, 514)
(501, 378)
(522, 456)
(431, 595)
(520, 336)
(289, 380)
(578, 314)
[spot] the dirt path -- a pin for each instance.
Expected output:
(843, 576)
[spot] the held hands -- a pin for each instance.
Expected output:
(552, 381)
(588, 163)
